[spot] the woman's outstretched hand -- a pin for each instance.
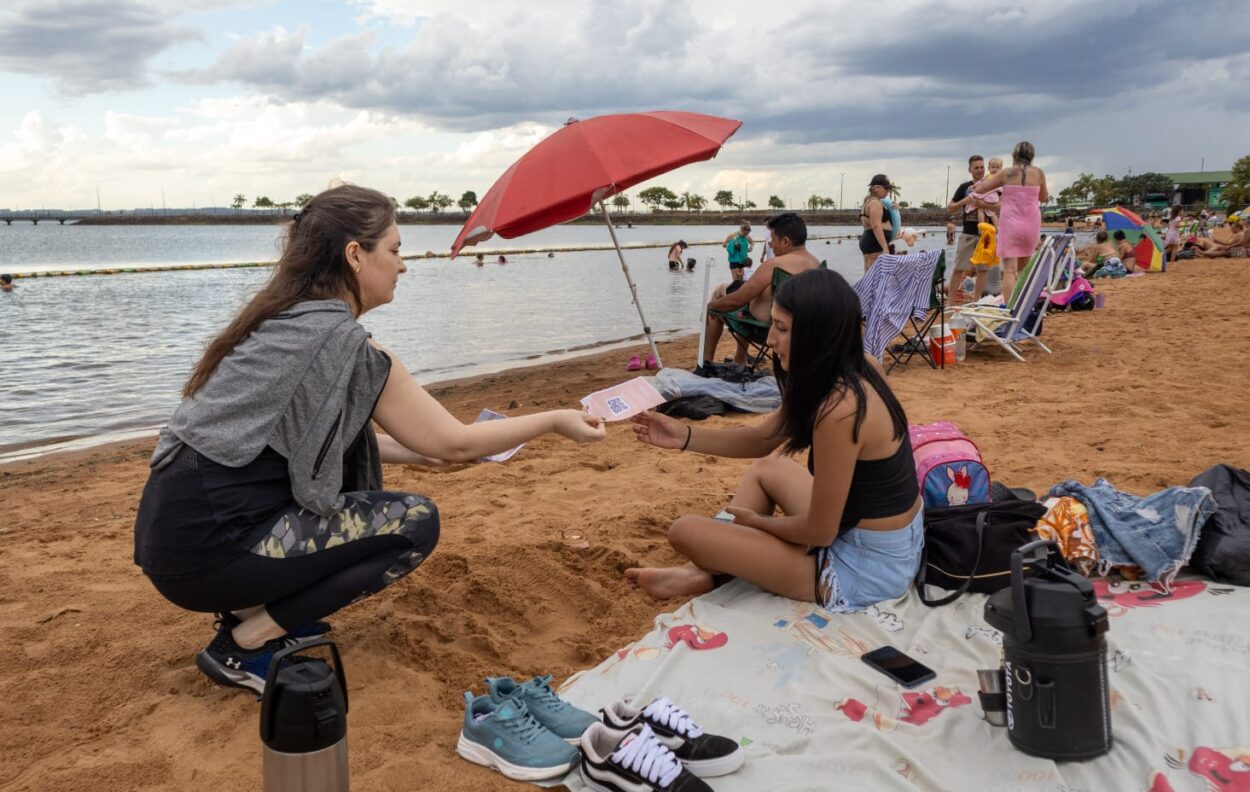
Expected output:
(580, 427)
(660, 431)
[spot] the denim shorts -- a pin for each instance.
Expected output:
(864, 567)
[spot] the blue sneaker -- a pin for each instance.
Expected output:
(559, 716)
(227, 663)
(507, 738)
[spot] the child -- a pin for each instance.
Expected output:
(991, 197)
(6, 283)
(1172, 239)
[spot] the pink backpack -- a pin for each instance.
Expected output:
(948, 465)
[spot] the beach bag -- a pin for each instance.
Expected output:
(968, 548)
(948, 466)
(693, 407)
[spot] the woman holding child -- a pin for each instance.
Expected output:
(265, 502)
(1020, 218)
(851, 528)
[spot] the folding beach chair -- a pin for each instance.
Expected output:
(1009, 326)
(896, 290)
(914, 342)
(752, 331)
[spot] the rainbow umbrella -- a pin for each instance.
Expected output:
(1147, 246)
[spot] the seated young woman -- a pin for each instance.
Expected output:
(265, 501)
(850, 530)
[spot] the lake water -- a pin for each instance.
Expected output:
(101, 356)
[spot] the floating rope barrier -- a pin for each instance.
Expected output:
(429, 254)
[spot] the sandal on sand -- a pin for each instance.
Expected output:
(634, 363)
(652, 363)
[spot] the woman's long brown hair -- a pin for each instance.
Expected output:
(313, 266)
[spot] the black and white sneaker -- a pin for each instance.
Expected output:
(705, 755)
(227, 663)
(632, 761)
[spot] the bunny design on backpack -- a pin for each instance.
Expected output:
(948, 466)
(961, 482)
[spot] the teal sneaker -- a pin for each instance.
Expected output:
(562, 718)
(505, 736)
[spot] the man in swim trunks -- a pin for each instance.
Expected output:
(738, 245)
(755, 297)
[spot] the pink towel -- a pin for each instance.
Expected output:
(1019, 221)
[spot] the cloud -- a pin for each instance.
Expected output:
(813, 72)
(470, 71)
(87, 46)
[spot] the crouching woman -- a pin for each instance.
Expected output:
(850, 528)
(264, 502)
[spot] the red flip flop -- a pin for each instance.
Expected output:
(634, 363)
(652, 363)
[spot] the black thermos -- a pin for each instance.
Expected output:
(1053, 687)
(303, 723)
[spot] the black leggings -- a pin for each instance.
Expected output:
(309, 566)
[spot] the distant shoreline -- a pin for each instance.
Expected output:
(755, 216)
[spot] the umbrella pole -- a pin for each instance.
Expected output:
(707, 274)
(632, 288)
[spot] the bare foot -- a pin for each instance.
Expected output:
(668, 582)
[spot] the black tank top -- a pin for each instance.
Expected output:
(879, 487)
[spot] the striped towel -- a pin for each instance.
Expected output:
(894, 288)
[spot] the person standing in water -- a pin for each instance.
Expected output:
(674, 254)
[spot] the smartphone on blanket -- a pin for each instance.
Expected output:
(898, 666)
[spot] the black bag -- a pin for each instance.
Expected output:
(968, 548)
(1223, 551)
(694, 407)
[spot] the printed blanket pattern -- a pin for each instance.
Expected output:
(785, 679)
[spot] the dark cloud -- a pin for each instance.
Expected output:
(822, 75)
(87, 46)
(1055, 49)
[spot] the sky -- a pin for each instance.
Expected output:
(132, 103)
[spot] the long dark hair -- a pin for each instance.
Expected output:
(826, 358)
(313, 266)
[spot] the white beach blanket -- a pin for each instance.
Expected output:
(785, 680)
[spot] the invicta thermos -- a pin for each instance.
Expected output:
(303, 723)
(1053, 684)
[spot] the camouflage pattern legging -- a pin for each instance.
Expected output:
(308, 566)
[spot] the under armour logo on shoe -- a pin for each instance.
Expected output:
(234, 663)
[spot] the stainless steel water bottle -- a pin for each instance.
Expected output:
(303, 722)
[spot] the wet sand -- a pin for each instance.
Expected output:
(98, 681)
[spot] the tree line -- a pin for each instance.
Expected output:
(435, 202)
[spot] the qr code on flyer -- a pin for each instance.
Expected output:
(618, 405)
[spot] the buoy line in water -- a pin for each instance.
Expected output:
(429, 254)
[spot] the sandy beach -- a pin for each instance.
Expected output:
(98, 678)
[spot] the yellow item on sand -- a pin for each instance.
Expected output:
(986, 253)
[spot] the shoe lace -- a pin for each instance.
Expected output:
(540, 688)
(665, 712)
(648, 757)
(523, 726)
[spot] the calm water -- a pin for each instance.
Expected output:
(103, 355)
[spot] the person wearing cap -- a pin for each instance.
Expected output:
(876, 239)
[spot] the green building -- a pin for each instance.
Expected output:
(1200, 187)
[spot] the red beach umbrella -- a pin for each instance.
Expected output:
(585, 162)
